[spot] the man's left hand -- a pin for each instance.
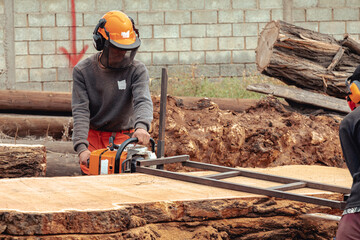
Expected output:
(142, 135)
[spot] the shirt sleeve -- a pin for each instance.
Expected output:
(80, 112)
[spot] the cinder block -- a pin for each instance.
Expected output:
(42, 47)
(207, 70)
(55, 61)
(195, 30)
(204, 44)
(314, 26)
(152, 45)
(107, 5)
(22, 75)
(161, 5)
(29, 86)
(257, 15)
(231, 16)
(353, 27)
(57, 86)
(42, 75)
(266, 4)
(241, 4)
(26, 6)
(251, 43)
(59, 33)
(21, 48)
(251, 68)
(64, 19)
(2, 64)
(331, 3)
(166, 31)
(27, 34)
(146, 31)
(85, 5)
(231, 43)
(84, 33)
(55, 6)
(177, 17)
(352, 3)
(2, 8)
(245, 29)
(154, 72)
(332, 27)
(231, 70)
(305, 3)
(246, 56)
(64, 74)
(68, 46)
(2, 48)
(91, 19)
(144, 57)
(218, 57)
(277, 14)
(136, 5)
(218, 30)
(205, 16)
(41, 20)
(178, 44)
(148, 18)
(298, 15)
(319, 14)
(165, 58)
(346, 14)
(191, 4)
(218, 4)
(192, 57)
(28, 61)
(180, 72)
(91, 49)
(20, 20)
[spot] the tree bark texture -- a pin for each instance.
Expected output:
(22, 160)
(305, 58)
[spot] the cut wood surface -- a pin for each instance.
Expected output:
(26, 125)
(22, 161)
(35, 101)
(90, 205)
(302, 96)
(305, 58)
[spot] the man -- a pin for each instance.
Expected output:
(349, 226)
(111, 95)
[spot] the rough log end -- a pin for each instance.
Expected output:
(264, 49)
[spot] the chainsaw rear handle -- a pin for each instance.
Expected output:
(122, 147)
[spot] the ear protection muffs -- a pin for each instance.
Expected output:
(98, 39)
(135, 29)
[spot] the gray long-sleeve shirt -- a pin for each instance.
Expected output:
(109, 100)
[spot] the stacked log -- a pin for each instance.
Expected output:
(306, 59)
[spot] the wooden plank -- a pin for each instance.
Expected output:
(302, 96)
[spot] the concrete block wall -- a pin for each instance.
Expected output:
(210, 38)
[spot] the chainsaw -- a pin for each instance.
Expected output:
(119, 158)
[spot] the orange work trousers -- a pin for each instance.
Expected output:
(99, 140)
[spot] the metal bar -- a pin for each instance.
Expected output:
(267, 177)
(243, 188)
(223, 175)
(162, 118)
(289, 186)
(174, 159)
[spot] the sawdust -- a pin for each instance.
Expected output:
(267, 135)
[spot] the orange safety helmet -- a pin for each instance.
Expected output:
(121, 30)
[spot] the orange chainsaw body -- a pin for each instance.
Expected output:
(102, 161)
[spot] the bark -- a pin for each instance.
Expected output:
(305, 58)
(22, 161)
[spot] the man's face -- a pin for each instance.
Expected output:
(116, 56)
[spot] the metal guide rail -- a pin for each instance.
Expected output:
(214, 180)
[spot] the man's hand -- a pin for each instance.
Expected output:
(83, 157)
(142, 135)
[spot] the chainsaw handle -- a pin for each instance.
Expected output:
(122, 147)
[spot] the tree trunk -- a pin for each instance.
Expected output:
(305, 58)
(22, 160)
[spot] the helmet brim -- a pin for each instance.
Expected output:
(134, 45)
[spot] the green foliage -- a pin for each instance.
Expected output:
(231, 87)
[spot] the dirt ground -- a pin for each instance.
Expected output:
(270, 134)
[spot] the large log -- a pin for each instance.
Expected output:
(305, 58)
(22, 160)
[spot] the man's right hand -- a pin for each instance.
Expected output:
(83, 157)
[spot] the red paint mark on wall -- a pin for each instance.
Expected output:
(73, 56)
